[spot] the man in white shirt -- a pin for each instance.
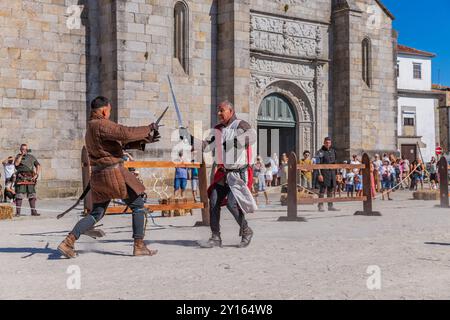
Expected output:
(406, 170)
(9, 167)
(355, 161)
(377, 163)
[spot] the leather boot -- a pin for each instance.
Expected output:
(214, 241)
(140, 249)
(247, 235)
(67, 247)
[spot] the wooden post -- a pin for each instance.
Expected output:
(203, 187)
(86, 175)
(367, 190)
(443, 182)
(292, 191)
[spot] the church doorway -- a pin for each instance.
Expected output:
(277, 126)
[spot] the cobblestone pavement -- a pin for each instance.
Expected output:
(327, 257)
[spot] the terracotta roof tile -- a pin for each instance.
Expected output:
(411, 51)
(440, 87)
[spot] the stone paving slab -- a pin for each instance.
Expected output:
(326, 257)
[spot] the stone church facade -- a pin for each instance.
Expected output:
(297, 70)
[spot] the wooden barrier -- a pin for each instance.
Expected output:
(443, 182)
(293, 201)
(120, 209)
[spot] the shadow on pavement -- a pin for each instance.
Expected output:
(438, 243)
(182, 243)
(52, 253)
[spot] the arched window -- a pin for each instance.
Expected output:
(366, 61)
(181, 34)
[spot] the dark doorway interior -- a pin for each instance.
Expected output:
(409, 151)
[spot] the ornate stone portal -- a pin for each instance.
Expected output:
(285, 37)
(284, 56)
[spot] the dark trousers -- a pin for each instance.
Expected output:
(329, 190)
(136, 204)
(216, 198)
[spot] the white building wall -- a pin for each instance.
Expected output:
(425, 123)
(406, 79)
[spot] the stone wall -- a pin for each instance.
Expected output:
(364, 115)
(43, 89)
(145, 35)
(289, 55)
(379, 101)
(123, 49)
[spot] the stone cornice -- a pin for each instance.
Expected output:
(419, 93)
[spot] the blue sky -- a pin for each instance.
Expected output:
(425, 25)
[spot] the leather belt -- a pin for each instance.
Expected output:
(237, 170)
(96, 169)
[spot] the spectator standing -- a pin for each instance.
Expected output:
(269, 173)
(420, 173)
(386, 173)
(349, 183)
(9, 168)
(326, 177)
(193, 175)
(284, 168)
(10, 193)
(274, 163)
(180, 180)
(259, 170)
(377, 163)
(306, 175)
(355, 160)
(339, 182)
(406, 170)
(28, 170)
(372, 180)
(433, 173)
(358, 181)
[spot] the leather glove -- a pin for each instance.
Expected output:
(156, 136)
(154, 127)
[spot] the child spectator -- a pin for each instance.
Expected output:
(386, 174)
(259, 171)
(180, 180)
(358, 184)
(193, 175)
(339, 183)
(349, 183)
(10, 193)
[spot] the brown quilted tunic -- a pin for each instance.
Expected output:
(105, 140)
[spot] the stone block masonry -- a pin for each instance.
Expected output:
(43, 89)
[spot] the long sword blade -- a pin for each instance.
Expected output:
(177, 109)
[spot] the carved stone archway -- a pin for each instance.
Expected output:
(299, 100)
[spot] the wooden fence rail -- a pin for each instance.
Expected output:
(293, 201)
(202, 185)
